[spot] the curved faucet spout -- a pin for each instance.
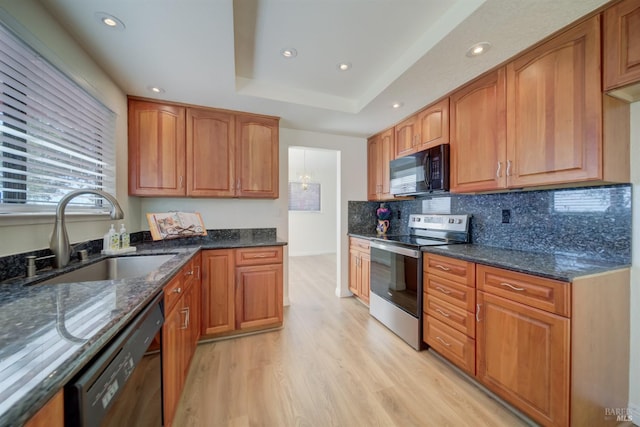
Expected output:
(59, 244)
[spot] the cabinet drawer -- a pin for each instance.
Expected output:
(546, 294)
(455, 317)
(451, 292)
(258, 256)
(450, 268)
(355, 243)
(454, 345)
(173, 291)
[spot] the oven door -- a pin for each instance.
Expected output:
(396, 276)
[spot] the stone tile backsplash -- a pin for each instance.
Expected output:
(594, 221)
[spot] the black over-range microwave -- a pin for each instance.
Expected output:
(421, 173)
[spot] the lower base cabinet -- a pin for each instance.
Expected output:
(557, 351)
(180, 334)
(242, 290)
(359, 268)
(50, 415)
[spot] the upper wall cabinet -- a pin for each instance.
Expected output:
(379, 155)
(433, 125)
(257, 156)
(157, 149)
(478, 135)
(559, 127)
(201, 152)
(425, 129)
(554, 110)
(622, 48)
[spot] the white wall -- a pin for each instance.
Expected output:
(312, 233)
(34, 24)
(634, 369)
(352, 176)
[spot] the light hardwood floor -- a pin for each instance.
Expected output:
(331, 365)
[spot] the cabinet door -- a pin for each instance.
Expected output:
(258, 296)
(257, 157)
(387, 146)
(405, 140)
(433, 125)
(621, 44)
(554, 104)
(374, 168)
(478, 135)
(210, 153)
(365, 264)
(188, 338)
(156, 149)
(50, 415)
(523, 357)
(354, 266)
(172, 362)
(218, 307)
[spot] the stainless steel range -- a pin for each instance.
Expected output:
(396, 271)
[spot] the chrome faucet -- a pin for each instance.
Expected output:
(59, 244)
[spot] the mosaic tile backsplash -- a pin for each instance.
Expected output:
(594, 221)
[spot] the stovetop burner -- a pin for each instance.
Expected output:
(432, 230)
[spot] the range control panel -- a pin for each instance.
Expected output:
(439, 222)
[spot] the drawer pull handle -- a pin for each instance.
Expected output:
(444, 291)
(443, 341)
(177, 290)
(444, 313)
(515, 288)
(442, 267)
(477, 312)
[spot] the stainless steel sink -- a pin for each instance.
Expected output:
(111, 269)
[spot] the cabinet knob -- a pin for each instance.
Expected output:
(177, 290)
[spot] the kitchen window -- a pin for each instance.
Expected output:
(54, 136)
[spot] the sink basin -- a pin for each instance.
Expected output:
(111, 269)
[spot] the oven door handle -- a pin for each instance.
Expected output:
(396, 249)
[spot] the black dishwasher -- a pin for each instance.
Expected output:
(122, 385)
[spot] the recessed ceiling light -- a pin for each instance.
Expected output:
(110, 21)
(155, 89)
(397, 105)
(344, 66)
(289, 52)
(478, 49)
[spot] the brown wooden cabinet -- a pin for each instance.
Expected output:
(379, 154)
(210, 153)
(359, 268)
(257, 154)
(180, 334)
(541, 121)
(478, 135)
(50, 415)
(157, 150)
(448, 309)
(622, 47)
(218, 291)
(433, 125)
(406, 133)
(523, 352)
(554, 110)
(177, 150)
(242, 290)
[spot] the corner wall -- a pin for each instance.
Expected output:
(634, 368)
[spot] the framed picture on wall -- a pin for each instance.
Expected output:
(304, 196)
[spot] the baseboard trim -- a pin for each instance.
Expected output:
(311, 253)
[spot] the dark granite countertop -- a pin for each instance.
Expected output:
(559, 266)
(564, 267)
(37, 357)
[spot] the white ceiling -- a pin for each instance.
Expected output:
(226, 53)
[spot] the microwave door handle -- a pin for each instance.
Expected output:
(426, 166)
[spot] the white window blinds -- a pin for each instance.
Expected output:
(54, 136)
